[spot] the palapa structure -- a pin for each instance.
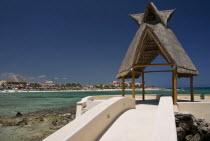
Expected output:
(154, 38)
(15, 79)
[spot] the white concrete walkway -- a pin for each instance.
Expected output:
(133, 125)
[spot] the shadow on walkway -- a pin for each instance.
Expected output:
(182, 100)
(148, 102)
(156, 102)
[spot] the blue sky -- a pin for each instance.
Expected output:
(85, 40)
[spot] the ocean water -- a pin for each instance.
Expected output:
(60, 102)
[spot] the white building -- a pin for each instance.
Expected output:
(117, 83)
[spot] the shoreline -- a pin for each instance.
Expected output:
(98, 90)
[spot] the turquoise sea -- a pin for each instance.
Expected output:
(60, 102)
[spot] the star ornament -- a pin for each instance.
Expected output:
(153, 16)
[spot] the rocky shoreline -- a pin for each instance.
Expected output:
(32, 127)
(37, 127)
(191, 129)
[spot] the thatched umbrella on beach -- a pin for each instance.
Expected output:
(154, 38)
(15, 79)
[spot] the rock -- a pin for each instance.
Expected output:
(66, 115)
(64, 122)
(72, 117)
(181, 116)
(184, 126)
(57, 124)
(54, 122)
(208, 129)
(201, 122)
(199, 131)
(180, 133)
(191, 129)
(207, 124)
(177, 122)
(19, 114)
(206, 137)
(204, 129)
(55, 127)
(189, 137)
(23, 122)
(196, 137)
(10, 121)
(40, 118)
(193, 118)
(194, 126)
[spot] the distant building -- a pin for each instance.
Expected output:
(48, 84)
(87, 87)
(127, 84)
(117, 83)
(15, 81)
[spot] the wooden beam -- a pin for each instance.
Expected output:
(133, 84)
(159, 71)
(159, 46)
(123, 86)
(151, 51)
(175, 86)
(150, 65)
(172, 74)
(143, 84)
(191, 88)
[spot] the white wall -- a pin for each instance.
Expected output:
(165, 126)
(93, 123)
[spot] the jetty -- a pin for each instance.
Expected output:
(110, 118)
(123, 118)
(128, 125)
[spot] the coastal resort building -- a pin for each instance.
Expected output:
(152, 39)
(117, 83)
(127, 84)
(47, 84)
(15, 81)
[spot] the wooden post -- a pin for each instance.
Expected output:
(172, 84)
(143, 84)
(133, 84)
(191, 88)
(123, 86)
(175, 86)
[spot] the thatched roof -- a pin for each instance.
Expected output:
(15, 79)
(154, 38)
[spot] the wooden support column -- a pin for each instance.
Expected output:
(172, 74)
(133, 84)
(191, 88)
(123, 86)
(175, 86)
(143, 84)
